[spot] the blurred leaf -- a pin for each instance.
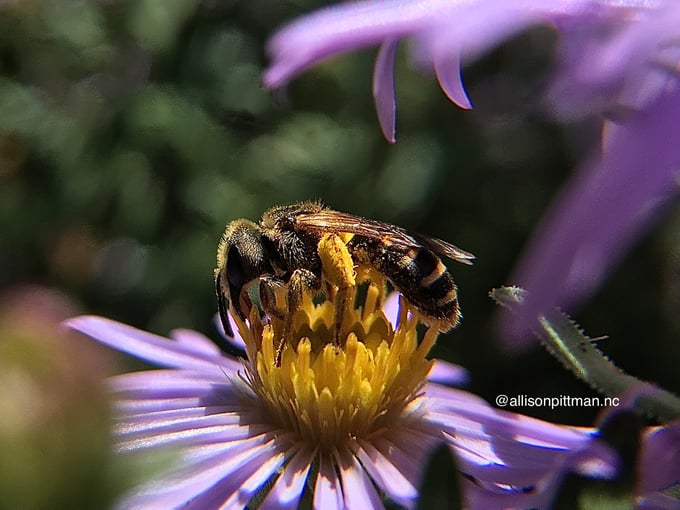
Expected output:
(156, 23)
(77, 22)
(409, 175)
(162, 118)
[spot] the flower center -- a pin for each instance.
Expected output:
(335, 371)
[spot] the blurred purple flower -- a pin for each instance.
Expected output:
(618, 57)
(605, 207)
(442, 32)
(230, 447)
(614, 198)
(660, 466)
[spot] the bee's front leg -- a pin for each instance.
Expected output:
(300, 281)
(272, 291)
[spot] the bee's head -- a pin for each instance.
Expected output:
(241, 258)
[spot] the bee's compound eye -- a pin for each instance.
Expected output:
(235, 273)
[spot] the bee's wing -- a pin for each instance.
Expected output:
(328, 219)
(445, 249)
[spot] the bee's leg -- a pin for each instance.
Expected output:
(338, 270)
(244, 304)
(301, 281)
(272, 291)
(280, 299)
(271, 287)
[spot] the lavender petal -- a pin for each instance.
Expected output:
(447, 68)
(359, 490)
(328, 492)
(603, 210)
(384, 89)
(386, 475)
(150, 347)
(288, 488)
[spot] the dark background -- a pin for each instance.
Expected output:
(131, 132)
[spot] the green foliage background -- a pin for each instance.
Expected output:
(131, 132)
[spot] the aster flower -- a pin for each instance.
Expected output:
(618, 58)
(350, 422)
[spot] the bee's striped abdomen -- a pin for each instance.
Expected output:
(417, 273)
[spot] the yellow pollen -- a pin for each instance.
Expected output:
(337, 371)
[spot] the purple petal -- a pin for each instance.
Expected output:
(143, 406)
(205, 435)
(327, 490)
(508, 448)
(384, 89)
(623, 68)
(391, 309)
(132, 420)
(407, 450)
(442, 397)
(472, 28)
(487, 421)
(164, 390)
(208, 477)
(345, 27)
(288, 488)
(342, 28)
(386, 475)
(443, 372)
(197, 470)
(603, 210)
(170, 383)
(173, 421)
(195, 342)
(150, 347)
(528, 475)
(235, 340)
(358, 488)
(660, 463)
(141, 430)
(447, 68)
(155, 420)
(249, 487)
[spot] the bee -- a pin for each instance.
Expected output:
(281, 251)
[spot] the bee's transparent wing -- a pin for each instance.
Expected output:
(327, 219)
